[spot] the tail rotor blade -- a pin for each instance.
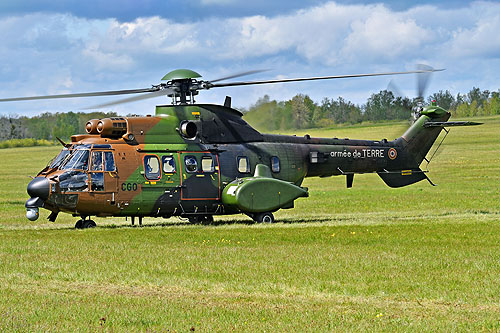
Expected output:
(423, 79)
(392, 87)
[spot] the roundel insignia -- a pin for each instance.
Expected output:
(392, 153)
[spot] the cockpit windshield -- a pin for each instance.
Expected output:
(78, 160)
(57, 161)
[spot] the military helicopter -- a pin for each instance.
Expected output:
(200, 160)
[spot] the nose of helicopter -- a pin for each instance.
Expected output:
(39, 187)
(39, 191)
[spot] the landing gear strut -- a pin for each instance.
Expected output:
(83, 223)
(140, 220)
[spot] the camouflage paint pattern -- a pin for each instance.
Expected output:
(221, 140)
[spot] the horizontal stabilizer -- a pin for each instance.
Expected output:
(450, 123)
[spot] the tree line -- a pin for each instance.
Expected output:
(268, 115)
(302, 112)
(47, 126)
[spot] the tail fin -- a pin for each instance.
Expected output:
(418, 139)
(416, 143)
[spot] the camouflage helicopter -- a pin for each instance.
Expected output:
(200, 160)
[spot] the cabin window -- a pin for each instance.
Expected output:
(207, 164)
(109, 164)
(191, 164)
(97, 181)
(243, 165)
(152, 167)
(96, 161)
(275, 164)
(168, 164)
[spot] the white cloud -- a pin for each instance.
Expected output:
(481, 40)
(384, 35)
(59, 52)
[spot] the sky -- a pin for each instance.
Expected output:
(55, 47)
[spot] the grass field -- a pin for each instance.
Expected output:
(419, 258)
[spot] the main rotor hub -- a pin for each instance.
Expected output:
(184, 90)
(184, 84)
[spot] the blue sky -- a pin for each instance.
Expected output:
(52, 47)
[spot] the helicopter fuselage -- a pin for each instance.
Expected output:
(193, 160)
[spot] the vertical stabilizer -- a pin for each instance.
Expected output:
(416, 143)
(419, 139)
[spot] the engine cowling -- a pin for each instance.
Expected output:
(91, 126)
(112, 127)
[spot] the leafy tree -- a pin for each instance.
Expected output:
(462, 110)
(492, 107)
(384, 105)
(475, 94)
(265, 114)
(443, 98)
(302, 110)
(322, 115)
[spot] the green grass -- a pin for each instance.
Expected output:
(419, 258)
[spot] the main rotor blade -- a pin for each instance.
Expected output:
(240, 74)
(231, 84)
(165, 91)
(90, 94)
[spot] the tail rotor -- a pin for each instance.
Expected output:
(423, 76)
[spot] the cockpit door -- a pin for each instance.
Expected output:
(103, 173)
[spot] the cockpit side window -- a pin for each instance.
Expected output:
(109, 164)
(96, 161)
(97, 181)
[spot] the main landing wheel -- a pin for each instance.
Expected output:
(85, 224)
(207, 219)
(203, 219)
(266, 217)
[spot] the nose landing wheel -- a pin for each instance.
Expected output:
(85, 224)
